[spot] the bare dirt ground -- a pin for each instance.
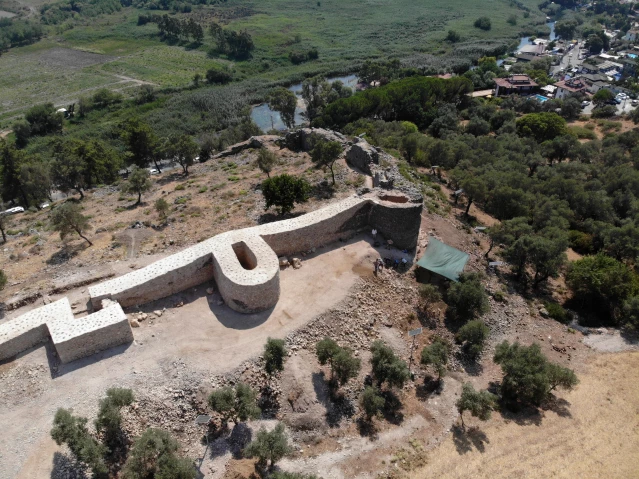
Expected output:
(593, 434)
(70, 58)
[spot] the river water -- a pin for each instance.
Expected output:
(526, 40)
(268, 119)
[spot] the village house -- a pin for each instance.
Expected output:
(570, 86)
(515, 84)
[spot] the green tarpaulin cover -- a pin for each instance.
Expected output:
(443, 259)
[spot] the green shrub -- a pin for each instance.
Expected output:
(580, 242)
(180, 187)
(582, 133)
(483, 23)
(284, 191)
(558, 313)
(467, 298)
(473, 334)
(372, 402)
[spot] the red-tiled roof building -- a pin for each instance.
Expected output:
(517, 84)
(572, 85)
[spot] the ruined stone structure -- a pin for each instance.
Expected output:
(243, 263)
(73, 338)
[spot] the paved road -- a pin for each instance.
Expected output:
(569, 61)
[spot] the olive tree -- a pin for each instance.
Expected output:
(284, 191)
(67, 219)
(467, 298)
(154, 455)
(387, 367)
(436, 355)
(274, 355)
(139, 182)
(266, 160)
(372, 402)
(237, 404)
(344, 365)
(479, 403)
(473, 335)
(269, 446)
(529, 378)
(325, 154)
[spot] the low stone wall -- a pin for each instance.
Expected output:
(337, 221)
(244, 264)
(72, 338)
(31, 329)
(83, 337)
(165, 277)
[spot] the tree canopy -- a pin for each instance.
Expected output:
(283, 191)
(436, 355)
(274, 355)
(467, 298)
(529, 378)
(387, 367)
(269, 447)
(68, 219)
(542, 126)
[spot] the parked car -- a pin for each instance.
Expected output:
(153, 171)
(585, 103)
(635, 102)
(13, 211)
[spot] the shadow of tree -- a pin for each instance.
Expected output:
(557, 405)
(471, 366)
(367, 428)
(269, 403)
(392, 408)
(337, 405)
(65, 466)
(524, 416)
(240, 437)
(234, 441)
(466, 440)
(431, 386)
(66, 253)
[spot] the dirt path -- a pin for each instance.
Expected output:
(203, 334)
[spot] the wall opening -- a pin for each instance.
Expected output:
(393, 198)
(245, 256)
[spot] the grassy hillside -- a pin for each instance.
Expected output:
(345, 32)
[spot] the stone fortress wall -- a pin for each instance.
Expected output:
(72, 338)
(243, 263)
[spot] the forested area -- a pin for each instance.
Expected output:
(521, 162)
(14, 33)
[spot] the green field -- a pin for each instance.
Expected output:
(345, 32)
